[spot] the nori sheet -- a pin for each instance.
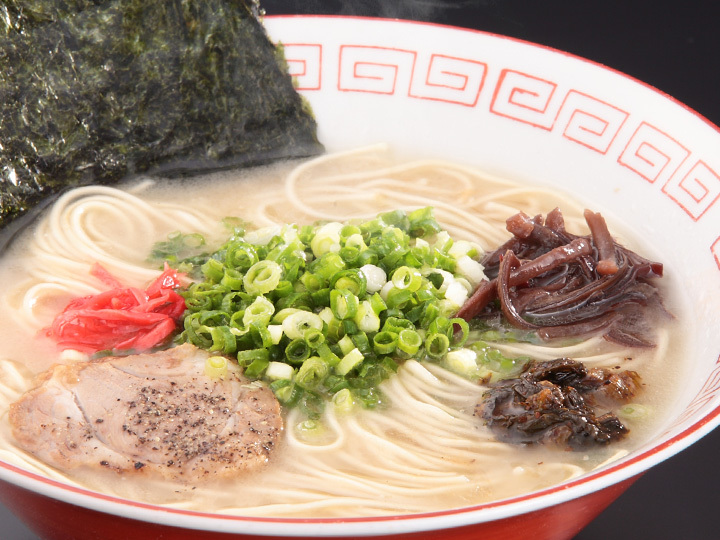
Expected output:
(94, 91)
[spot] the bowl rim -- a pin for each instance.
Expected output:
(624, 469)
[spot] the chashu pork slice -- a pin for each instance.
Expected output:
(148, 413)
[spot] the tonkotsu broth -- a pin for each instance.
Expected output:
(425, 451)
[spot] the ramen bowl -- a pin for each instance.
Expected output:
(512, 109)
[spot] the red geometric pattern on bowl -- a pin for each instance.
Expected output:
(532, 99)
(525, 98)
(304, 62)
(696, 191)
(703, 400)
(590, 121)
(449, 79)
(377, 70)
(652, 154)
(438, 77)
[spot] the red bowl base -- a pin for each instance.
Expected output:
(52, 519)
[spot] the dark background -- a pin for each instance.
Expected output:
(673, 46)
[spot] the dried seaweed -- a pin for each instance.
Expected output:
(92, 91)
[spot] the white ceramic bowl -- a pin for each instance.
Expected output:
(510, 108)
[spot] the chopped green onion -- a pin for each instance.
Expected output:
(351, 360)
(501, 366)
(223, 339)
(349, 230)
(336, 328)
(321, 297)
(310, 429)
(298, 300)
(297, 351)
(362, 342)
(310, 309)
(284, 288)
(436, 345)
(409, 341)
(343, 401)
(326, 239)
(407, 278)
(472, 270)
(460, 331)
(196, 333)
(349, 254)
(247, 357)
(260, 311)
(213, 270)
(456, 293)
(326, 315)
(235, 301)
(346, 344)
(463, 362)
(260, 335)
(312, 373)
(462, 248)
(377, 303)
(349, 327)
(216, 367)
(296, 324)
(329, 357)
(396, 324)
(257, 366)
(276, 333)
(385, 342)
(177, 246)
(328, 265)
(352, 280)
(312, 282)
(344, 304)
(356, 241)
(283, 314)
(398, 298)
(262, 277)
(422, 222)
(314, 337)
(311, 404)
(241, 255)
(366, 318)
(232, 279)
(279, 370)
(634, 411)
(367, 257)
(287, 392)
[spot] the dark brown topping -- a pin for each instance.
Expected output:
(553, 403)
(563, 285)
(604, 243)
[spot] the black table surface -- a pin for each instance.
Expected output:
(671, 45)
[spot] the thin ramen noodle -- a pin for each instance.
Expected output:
(425, 450)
